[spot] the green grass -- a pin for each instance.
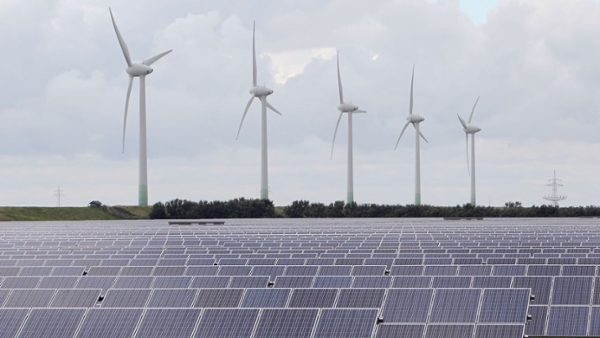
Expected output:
(73, 213)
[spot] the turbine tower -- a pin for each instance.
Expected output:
(414, 119)
(140, 70)
(350, 109)
(468, 128)
(261, 92)
(554, 198)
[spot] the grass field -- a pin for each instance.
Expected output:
(73, 213)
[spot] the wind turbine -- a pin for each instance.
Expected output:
(261, 92)
(468, 128)
(350, 109)
(414, 119)
(140, 70)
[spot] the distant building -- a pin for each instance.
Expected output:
(95, 204)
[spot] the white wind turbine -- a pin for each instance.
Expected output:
(468, 128)
(261, 92)
(140, 70)
(415, 120)
(350, 109)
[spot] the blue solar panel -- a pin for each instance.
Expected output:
(219, 298)
(499, 331)
(10, 321)
(360, 298)
(289, 323)
(126, 298)
(29, 298)
(355, 323)
(455, 306)
(332, 282)
(537, 324)
(407, 305)
(568, 321)
(49, 323)
(449, 331)
(114, 323)
(572, 290)
(174, 298)
(504, 306)
(226, 323)
(265, 298)
(400, 330)
(172, 323)
(313, 298)
(75, 298)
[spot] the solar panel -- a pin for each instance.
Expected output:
(249, 282)
(400, 330)
(171, 282)
(302, 270)
(293, 282)
(595, 322)
(265, 298)
(204, 282)
(568, 321)
(114, 323)
(20, 298)
(355, 323)
(332, 282)
(136, 271)
(572, 290)
(449, 331)
(92, 282)
(499, 331)
(289, 323)
(537, 324)
(172, 323)
(407, 305)
(219, 297)
(491, 282)
(50, 323)
(504, 306)
(126, 298)
(455, 306)
(360, 298)
(540, 287)
(129, 282)
(313, 298)
(75, 298)
(227, 323)
(175, 298)
(20, 282)
(10, 321)
(412, 282)
(451, 282)
(372, 282)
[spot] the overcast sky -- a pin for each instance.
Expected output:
(535, 64)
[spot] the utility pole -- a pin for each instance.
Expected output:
(554, 198)
(58, 193)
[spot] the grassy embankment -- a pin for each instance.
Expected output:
(73, 213)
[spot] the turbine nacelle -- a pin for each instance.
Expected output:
(139, 69)
(261, 91)
(415, 118)
(471, 129)
(347, 107)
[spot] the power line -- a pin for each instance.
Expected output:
(554, 198)
(58, 193)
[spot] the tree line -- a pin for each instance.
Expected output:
(258, 208)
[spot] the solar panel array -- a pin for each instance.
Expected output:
(377, 278)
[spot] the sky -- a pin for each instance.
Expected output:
(534, 63)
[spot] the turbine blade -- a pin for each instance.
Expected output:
(473, 111)
(340, 79)
(462, 122)
(335, 133)
(402, 133)
(359, 111)
(126, 108)
(412, 79)
(253, 55)
(423, 137)
(467, 143)
(153, 59)
(121, 41)
(244, 116)
(271, 107)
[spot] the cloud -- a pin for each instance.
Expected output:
(532, 63)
